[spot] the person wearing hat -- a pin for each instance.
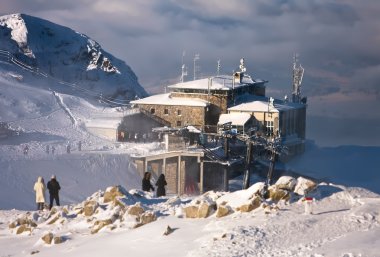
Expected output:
(53, 187)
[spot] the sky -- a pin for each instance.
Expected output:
(337, 42)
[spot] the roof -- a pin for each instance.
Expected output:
(167, 99)
(261, 104)
(223, 82)
(238, 119)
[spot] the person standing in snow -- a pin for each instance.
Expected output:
(161, 183)
(146, 185)
(39, 188)
(54, 188)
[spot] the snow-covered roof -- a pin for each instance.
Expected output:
(223, 82)
(261, 104)
(237, 119)
(167, 99)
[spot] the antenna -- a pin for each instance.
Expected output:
(183, 68)
(218, 68)
(197, 68)
(241, 66)
(298, 72)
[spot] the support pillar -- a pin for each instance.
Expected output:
(225, 177)
(201, 175)
(179, 174)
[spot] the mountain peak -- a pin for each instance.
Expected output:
(67, 56)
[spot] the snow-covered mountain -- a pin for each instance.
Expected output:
(51, 56)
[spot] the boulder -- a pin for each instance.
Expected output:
(23, 228)
(204, 210)
(191, 211)
(58, 240)
(286, 183)
(89, 208)
(251, 205)
(99, 224)
(223, 210)
(147, 217)
(304, 186)
(48, 238)
(113, 192)
(277, 194)
(54, 219)
(136, 210)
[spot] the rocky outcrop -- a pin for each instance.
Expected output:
(136, 210)
(253, 204)
(286, 183)
(191, 211)
(99, 224)
(223, 210)
(276, 194)
(113, 192)
(48, 238)
(304, 186)
(89, 208)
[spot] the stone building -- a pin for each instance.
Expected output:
(272, 117)
(201, 102)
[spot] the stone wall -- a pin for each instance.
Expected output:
(189, 115)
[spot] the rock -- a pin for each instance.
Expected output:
(253, 204)
(12, 225)
(47, 238)
(191, 211)
(223, 210)
(168, 231)
(113, 192)
(136, 210)
(34, 252)
(89, 208)
(54, 219)
(304, 186)
(99, 224)
(23, 228)
(204, 210)
(286, 183)
(276, 194)
(147, 217)
(58, 240)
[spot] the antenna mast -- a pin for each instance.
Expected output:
(183, 68)
(218, 68)
(197, 68)
(298, 72)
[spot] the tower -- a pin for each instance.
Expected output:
(298, 71)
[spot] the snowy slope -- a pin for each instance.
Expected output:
(57, 54)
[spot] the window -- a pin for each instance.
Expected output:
(152, 110)
(178, 123)
(179, 112)
(269, 126)
(166, 111)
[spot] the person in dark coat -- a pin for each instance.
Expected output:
(161, 183)
(146, 185)
(53, 187)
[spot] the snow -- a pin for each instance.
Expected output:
(222, 82)
(238, 119)
(167, 99)
(346, 212)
